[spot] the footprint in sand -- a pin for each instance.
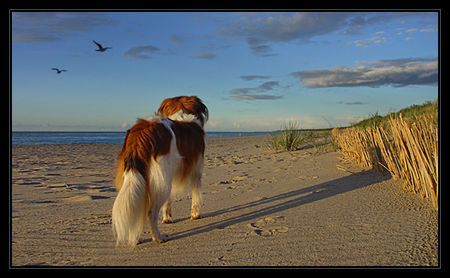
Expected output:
(239, 178)
(57, 186)
(84, 224)
(234, 180)
(268, 226)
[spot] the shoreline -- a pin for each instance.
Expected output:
(260, 208)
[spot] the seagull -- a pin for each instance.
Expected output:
(58, 71)
(100, 47)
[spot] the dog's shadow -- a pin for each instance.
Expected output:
(293, 199)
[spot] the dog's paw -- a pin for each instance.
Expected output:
(162, 238)
(167, 221)
(195, 217)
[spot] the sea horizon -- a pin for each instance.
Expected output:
(24, 138)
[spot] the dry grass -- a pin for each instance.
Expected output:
(358, 145)
(407, 148)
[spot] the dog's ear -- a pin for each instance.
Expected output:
(200, 109)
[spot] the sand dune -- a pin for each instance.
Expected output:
(260, 208)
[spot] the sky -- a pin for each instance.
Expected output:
(255, 71)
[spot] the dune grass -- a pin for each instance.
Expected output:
(412, 112)
(406, 146)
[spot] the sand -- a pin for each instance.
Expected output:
(260, 208)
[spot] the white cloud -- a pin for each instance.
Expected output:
(256, 93)
(366, 42)
(396, 72)
(284, 26)
(141, 52)
(208, 56)
(262, 31)
(252, 77)
(428, 30)
(260, 28)
(412, 30)
(55, 26)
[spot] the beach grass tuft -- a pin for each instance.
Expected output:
(290, 138)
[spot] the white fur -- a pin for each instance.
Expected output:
(182, 117)
(128, 213)
(161, 173)
(178, 116)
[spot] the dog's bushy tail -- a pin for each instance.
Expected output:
(130, 209)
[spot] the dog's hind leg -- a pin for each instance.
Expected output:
(196, 201)
(196, 182)
(167, 212)
(160, 185)
(153, 216)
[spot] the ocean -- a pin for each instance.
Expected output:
(21, 138)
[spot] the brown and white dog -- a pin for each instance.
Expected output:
(160, 154)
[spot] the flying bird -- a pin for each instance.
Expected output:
(100, 47)
(58, 71)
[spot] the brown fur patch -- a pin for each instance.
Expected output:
(190, 143)
(145, 140)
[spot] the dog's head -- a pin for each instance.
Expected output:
(189, 105)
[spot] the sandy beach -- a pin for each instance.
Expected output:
(260, 208)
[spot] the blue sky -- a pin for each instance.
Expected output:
(254, 70)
